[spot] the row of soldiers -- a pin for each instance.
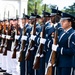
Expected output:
(38, 45)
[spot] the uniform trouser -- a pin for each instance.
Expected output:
(22, 65)
(73, 71)
(9, 62)
(16, 65)
(30, 69)
(63, 70)
(1, 60)
(41, 70)
(4, 64)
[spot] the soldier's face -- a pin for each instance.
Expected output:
(23, 21)
(11, 22)
(52, 19)
(65, 24)
(41, 20)
(32, 21)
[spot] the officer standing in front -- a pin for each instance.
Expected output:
(66, 47)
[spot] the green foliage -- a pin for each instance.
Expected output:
(70, 9)
(40, 6)
(31, 6)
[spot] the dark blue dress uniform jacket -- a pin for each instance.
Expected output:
(67, 45)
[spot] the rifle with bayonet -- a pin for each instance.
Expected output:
(52, 59)
(6, 40)
(36, 64)
(21, 58)
(32, 43)
(16, 41)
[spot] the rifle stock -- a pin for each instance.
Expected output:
(21, 58)
(32, 43)
(16, 41)
(37, 59)
(7, 33)
(14, 51)
(53, 55)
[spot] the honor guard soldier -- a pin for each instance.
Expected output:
(16, 47)
(73, 68)
(1, 39)
(4, 67)
(26, 30)
(66, 48)
(45, 28)
(8, 52)
(35, 38)
(55, 17)
(55, 20)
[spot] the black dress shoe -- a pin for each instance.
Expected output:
(6, 74)
(1, 70)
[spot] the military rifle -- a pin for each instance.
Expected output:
(16, 41)
(36, 64)
(21, 58)
(32, 43)
(6, 40)
(52, 59)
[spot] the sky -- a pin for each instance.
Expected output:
(60, 3)
(12, 6)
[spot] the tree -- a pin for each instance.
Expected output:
(31, 6)
(70, 9)
(40, 6)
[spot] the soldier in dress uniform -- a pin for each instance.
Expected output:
(4, 67)
(15, 63)
(35, 38)
(66, 47)
(1, 39)
(41, 70)
(9, 53)
(28, 28)
(73, 68)
(54, 23)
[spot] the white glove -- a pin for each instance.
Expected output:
(55, 25)
(41, 55)
(37, 55)
(32, 49)
(8, 37)
(3, 36)
(49, 64)
(24, 38)
(42, 41)
(17, 37)
(54, 47)
(32, 37)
